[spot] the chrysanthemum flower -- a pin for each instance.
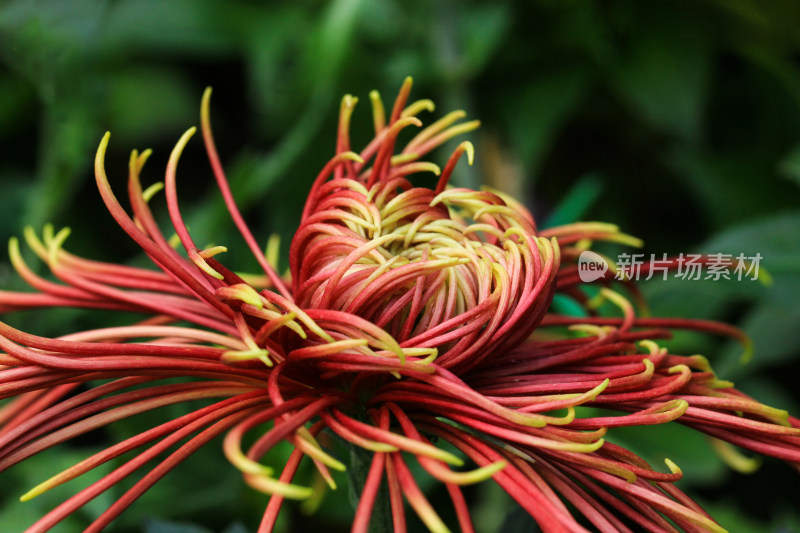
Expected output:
(414, 325)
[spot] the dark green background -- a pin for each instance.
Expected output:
(679, 121)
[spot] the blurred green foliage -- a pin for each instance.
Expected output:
(677, 120)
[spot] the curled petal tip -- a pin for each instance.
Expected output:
(735, 459)
(407, 121)
(430, 167)
(678, 369)
(747, 354)
(236, 356)
(478, 475)
(470, 150)
(675, 469)
(152, 190)
(241, 292)
(205, 267)
(417, 107)
(211, 252)
(351, 156)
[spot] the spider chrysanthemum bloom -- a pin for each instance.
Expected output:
(414, 326)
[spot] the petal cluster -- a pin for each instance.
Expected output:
(414, 326)
(455, 270)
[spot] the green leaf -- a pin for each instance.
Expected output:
(731, 517)
(535, 113)
(163, 526)
(236, 527)
(196, 26)
(150, 103)
(662, 78)
(790, 165)
(518, 521)
(576, 203)
(482, 30)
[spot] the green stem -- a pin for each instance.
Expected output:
(357, 471)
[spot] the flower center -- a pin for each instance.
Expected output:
(460, 271)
